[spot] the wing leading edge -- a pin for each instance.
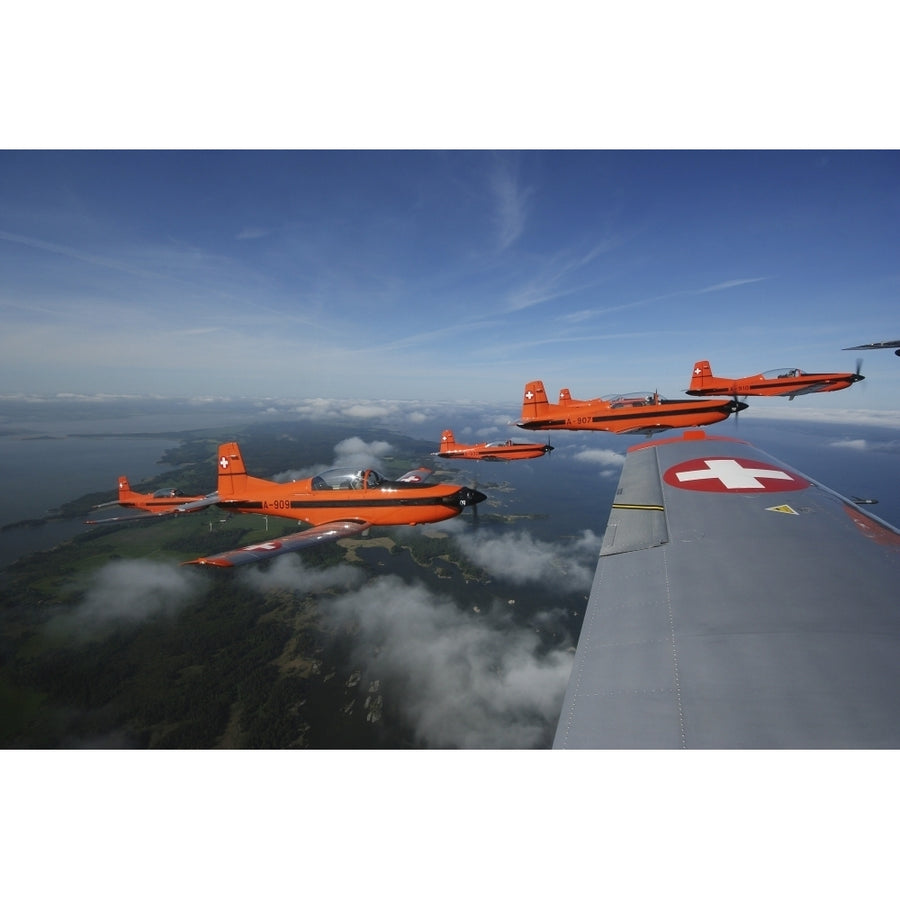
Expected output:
(736, 604)
(332, 531)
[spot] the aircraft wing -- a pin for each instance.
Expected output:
(332, 531)
(135, 515)
(878, 345)
(736, 604)
(131, 516)
(193, 505)
(799, 392)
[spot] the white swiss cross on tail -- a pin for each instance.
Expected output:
(223, 463)
(727, 475)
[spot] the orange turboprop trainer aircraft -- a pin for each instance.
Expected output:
(788, 383)
(496, 451)
(159, 503)
(638, 413)
(337, 503)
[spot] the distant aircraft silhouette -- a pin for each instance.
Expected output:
(641, 412)
(788, 383)
(880, 345)
(495, 451)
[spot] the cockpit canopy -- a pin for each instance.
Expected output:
(168, 492)
(783, 373)
(635, 398)
(346, 479)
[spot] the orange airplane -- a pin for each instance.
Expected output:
(495, 451)
(637, 413)
(159, 503)
(336, 503)
(788, 383)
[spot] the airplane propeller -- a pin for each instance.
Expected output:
(736, 407)
(475, 489)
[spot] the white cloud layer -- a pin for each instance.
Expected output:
(520, 558)
(352, 452)
(288, 572)
(461, 680)
(131, 591)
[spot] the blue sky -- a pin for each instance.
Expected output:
(444, 275)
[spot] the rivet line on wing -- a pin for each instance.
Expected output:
(674, 653)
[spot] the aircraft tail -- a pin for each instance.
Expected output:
(232, 471)
(704, 383)
(126, 494)
(565, 397)
(448, 441)
(534, 400)
(701, 376)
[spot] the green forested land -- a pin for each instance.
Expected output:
(234, 668)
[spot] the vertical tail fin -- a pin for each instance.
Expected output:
(534, 400)
(448, 442)
(564, 397)
(701, 376)
(232, 472)
(125, 492)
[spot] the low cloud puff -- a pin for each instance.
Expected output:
(610, 461)
(132, 591)
(519, 558)
(460, 680)
(353, 452)
(289, 572)
(859, 444)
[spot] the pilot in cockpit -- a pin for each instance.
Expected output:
(364, 478)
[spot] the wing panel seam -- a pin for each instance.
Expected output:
(674, 651)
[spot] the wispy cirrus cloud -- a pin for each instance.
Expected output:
(727, 285)
(584, 315)
(511, 201)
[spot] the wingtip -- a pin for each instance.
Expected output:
(208, 561)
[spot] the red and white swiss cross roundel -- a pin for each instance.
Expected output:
(267, 547)
(732, 475)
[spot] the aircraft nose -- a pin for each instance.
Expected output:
(548, 449)
(470, 497)
(737, 406)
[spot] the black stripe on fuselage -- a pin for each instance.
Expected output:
(541, 423)
(451, 500)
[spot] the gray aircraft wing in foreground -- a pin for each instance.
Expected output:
(736, 604)
(878, 345)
